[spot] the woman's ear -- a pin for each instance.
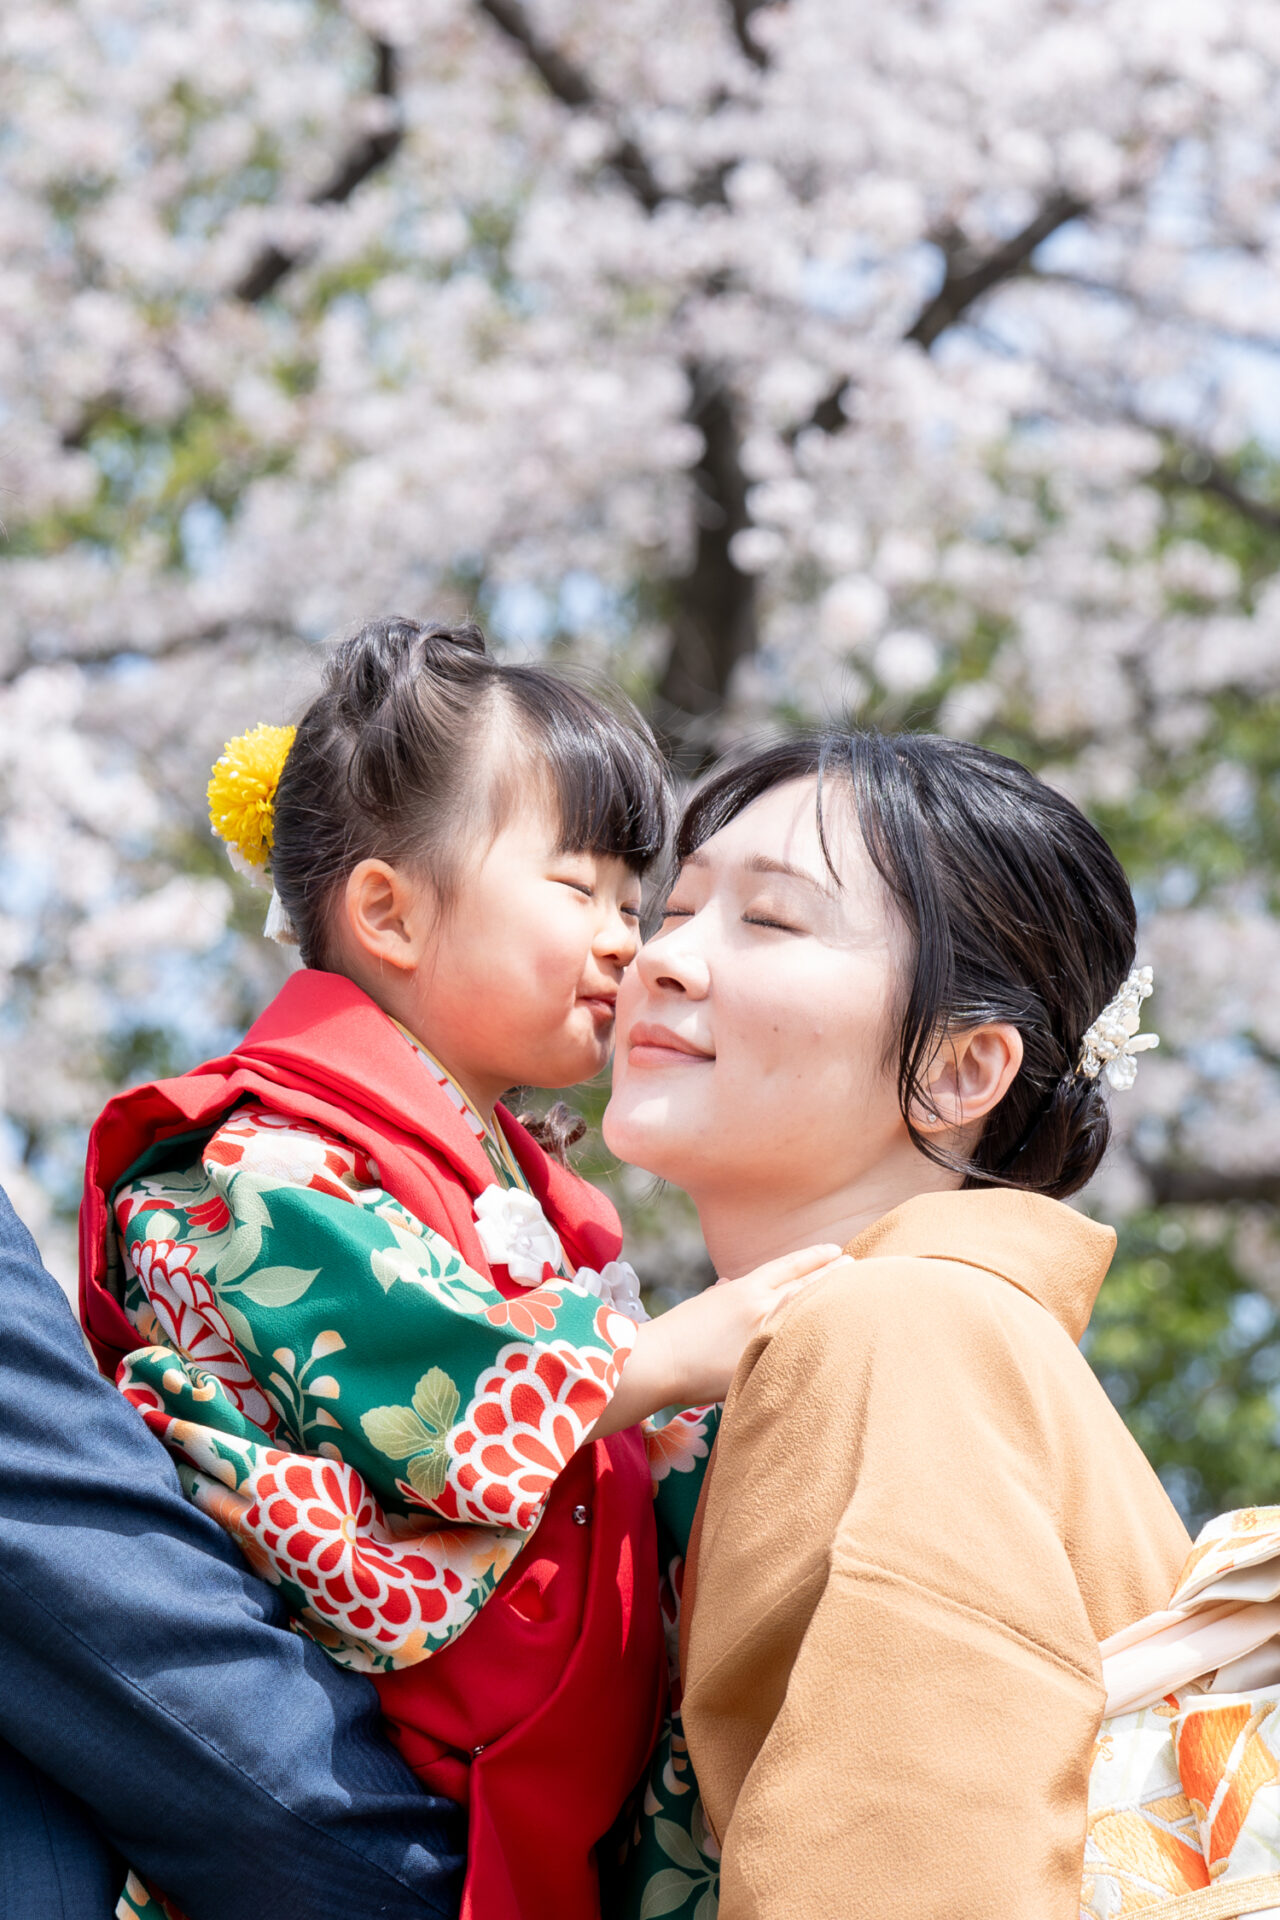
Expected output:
(970, 1075)
(385, 914)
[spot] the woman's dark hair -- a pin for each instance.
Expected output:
(1017, 910)
(420, 742)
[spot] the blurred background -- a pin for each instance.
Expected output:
(915, 364)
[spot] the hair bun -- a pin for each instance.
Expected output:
(387, 656)
(464, 638)
(1063, 1148)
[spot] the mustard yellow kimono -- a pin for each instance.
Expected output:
(922, 1517)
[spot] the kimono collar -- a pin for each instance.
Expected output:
(492, 1137)
(1040, 1246)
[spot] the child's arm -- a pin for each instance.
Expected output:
(688, 1356)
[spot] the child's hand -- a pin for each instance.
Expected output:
(688, 1356)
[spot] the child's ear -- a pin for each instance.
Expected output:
(384, 913)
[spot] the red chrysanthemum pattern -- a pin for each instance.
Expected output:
(528, 1314)
(533, 1409)
(183, 1302)
(323, 1531)
(144, 1398)
(210, 1216)
(678, 1446)
(289, 1152)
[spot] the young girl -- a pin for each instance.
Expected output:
(386, 1335)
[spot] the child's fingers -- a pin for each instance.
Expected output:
(785, 1293)
(796, 1266)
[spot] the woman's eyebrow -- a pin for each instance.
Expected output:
(762, 863)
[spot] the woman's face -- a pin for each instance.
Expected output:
(757, 1030)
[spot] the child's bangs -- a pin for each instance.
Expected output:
(602, 765)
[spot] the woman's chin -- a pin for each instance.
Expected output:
(640, 1132)
(645, 1137)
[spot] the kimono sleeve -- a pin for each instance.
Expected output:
(343, 1327)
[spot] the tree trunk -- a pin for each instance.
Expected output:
(713, 607)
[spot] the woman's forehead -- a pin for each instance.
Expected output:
(781, 830)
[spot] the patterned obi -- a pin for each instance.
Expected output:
(1184, 1793)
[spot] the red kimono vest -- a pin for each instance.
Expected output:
(542, 1714)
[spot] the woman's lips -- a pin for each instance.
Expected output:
(651, 1046)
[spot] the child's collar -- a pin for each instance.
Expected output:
(490, 1135)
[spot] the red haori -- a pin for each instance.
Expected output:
(542, 1713)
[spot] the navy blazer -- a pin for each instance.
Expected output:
(153, 1702)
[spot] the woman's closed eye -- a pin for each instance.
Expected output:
(770, 917)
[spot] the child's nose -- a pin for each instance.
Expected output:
(619, 940)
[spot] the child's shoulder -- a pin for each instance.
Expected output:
(255, 1142)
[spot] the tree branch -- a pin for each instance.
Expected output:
(568, 84)
(1207, 1186)
(1194, 470)
(189, 640)
(741, 11)
(965, 280)
(1161, 310)
(366, 154)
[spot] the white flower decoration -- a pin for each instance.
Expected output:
(515, 1234)
(1113, 1039)
(618, 1285)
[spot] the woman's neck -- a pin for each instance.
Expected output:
(745, 1227)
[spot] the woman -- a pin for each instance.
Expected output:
(871, 1017)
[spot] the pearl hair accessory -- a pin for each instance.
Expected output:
(1112, 1041)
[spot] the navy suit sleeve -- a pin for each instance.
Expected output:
(150, 1675)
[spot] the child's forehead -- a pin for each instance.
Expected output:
(598, 784)
(535, 834)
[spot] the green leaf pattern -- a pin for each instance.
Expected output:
(418, 1433)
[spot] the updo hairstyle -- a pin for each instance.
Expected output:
(421, 746)
(1016, 908)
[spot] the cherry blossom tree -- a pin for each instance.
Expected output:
(783, 362)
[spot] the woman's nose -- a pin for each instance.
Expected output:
(673, 962)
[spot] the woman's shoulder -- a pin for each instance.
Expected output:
(917, 1301)
(936, 1342)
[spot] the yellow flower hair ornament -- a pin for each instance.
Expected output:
(242, 809)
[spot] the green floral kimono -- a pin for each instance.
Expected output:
(377, 1424)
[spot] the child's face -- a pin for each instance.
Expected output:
(516, 984)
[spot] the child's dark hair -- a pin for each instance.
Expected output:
(390, 761)
(1017, 910)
